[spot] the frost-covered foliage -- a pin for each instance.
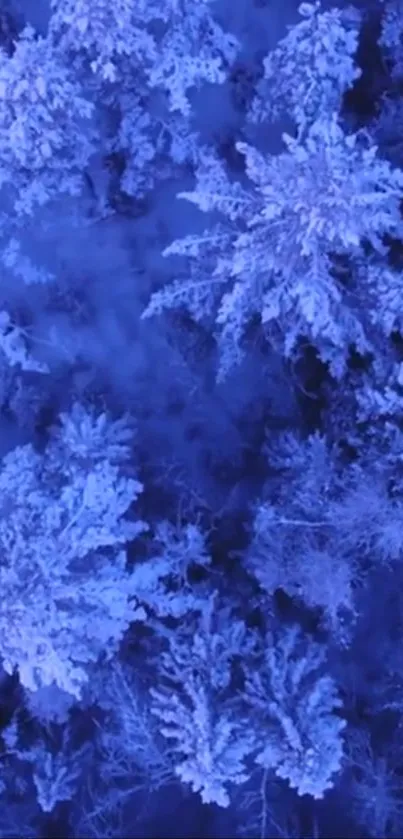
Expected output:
(131, 759)
(296, 555)
(83, 438)
(13, 343)
(328, 526)
(19, 809)
(19, 264)
(129, 732)
(311, 68)
(55, 770)
(374, 788)
(296, 544)
(153, 144)
(176, 44)
(104, 34)
(370, 520)
(148, 58)
(378, 285)
(49, 704)
(193, 49)
(55, 779)
(162, 583)
(46, 132)
(294, 704)
(110, 47)
(66, 592)
(236, 647)
(379, 400)
(273, 257)
(387, 129)
(194, 705)
(391, 40)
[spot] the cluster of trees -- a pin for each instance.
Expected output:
(201, 403)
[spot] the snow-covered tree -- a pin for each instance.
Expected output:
(297, 542)
(209, 739)
(387, 129)
(373, 786)
(46, 130)
(294, 704)
(274, 257)
(162, 582)
(194, 49)
(56, 769)
(308, 72)
(391, 40)
(66, 592)
(103, 35)
(130, 759)
(144, 60)
(176, 44)
(377, 285)
(369, 517)
(13, 343)
(82, 438)
(296, 555)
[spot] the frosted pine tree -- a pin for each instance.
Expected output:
(101, 36)
(195, 705)
(274, 255)
(308, 72)
(67, 596)
(46, 131)
(144, 60)
(294, 709)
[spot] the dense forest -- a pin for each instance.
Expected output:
(201, 419)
